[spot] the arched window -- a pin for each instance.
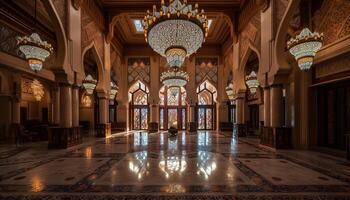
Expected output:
(138, 98)
(207, 95)
(172, 110)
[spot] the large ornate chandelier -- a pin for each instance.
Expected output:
(174, 77)
(114, 90)
(175, 31)
(38, 90)
(252, 82)
(35, 50)
(89, 84)
(304, 47)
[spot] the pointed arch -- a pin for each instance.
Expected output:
(98, 61)
(61, 60)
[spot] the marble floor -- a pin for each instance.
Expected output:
(138, 165)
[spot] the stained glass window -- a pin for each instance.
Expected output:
(172, 118)
(206, 101)
(138, 97)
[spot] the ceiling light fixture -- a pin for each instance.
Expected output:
(89, 84)
(175, 31)
(304, 47)
(252, 82)
(35, 50)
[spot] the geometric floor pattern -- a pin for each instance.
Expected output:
(138, 165)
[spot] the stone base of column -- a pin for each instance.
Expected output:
(62, 138)
(277, 138)
(103, 130)
(153, 127)
(226, 126)
(192, 126)
(348, 146)
(241, 130)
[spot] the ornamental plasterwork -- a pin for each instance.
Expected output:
(26, 86)
(8, 42)
(77, 4)
(333, 20)
(335, 65)
(207, 69)
(139, 69)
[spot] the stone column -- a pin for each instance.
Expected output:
(104, 128)
(66, 106)
(154, 118)
(267, 121)
(56, 106)
(276, 104)
(192, 125)
(240, 126)
(65, 135)
(16, 111)
(75, 106)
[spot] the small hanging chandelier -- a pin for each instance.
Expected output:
(252, 82)
(114, 90)
(304, 47)
(38, 90)
(89, 84)
(174, 77)
(229, 91)
(35, 50)
(176, 31)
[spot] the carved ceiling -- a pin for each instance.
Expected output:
(129, 10)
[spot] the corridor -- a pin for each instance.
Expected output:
(138, 165)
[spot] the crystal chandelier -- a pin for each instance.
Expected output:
(38, 90)
(114, 90)
(174, 77)
(89, 84)
(252, 82)
(304, 47)
(229, 91)
(35, 50)
(175, 31)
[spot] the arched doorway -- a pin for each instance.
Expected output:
(206, 112)
(172, 108)
(253, 96)
(139, 108)
(89, 106)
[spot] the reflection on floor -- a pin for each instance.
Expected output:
(139, 165)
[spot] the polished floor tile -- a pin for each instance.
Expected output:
(203, 165)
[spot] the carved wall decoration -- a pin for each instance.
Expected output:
(8, 42)
(280, 9)
(91, 32)
(26, 86)
(139, 69)
(333, 19)
(61, 8)
(207, 69)
(339, 64)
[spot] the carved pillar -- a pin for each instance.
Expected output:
(240, 125)
(104, 128)
(65, 135)
(192, 124)
(75, 106)
(277, 110)
(56, 106)
(154, 118)
(66, 105)
(267, 121)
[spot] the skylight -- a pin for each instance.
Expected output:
(138, 25)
